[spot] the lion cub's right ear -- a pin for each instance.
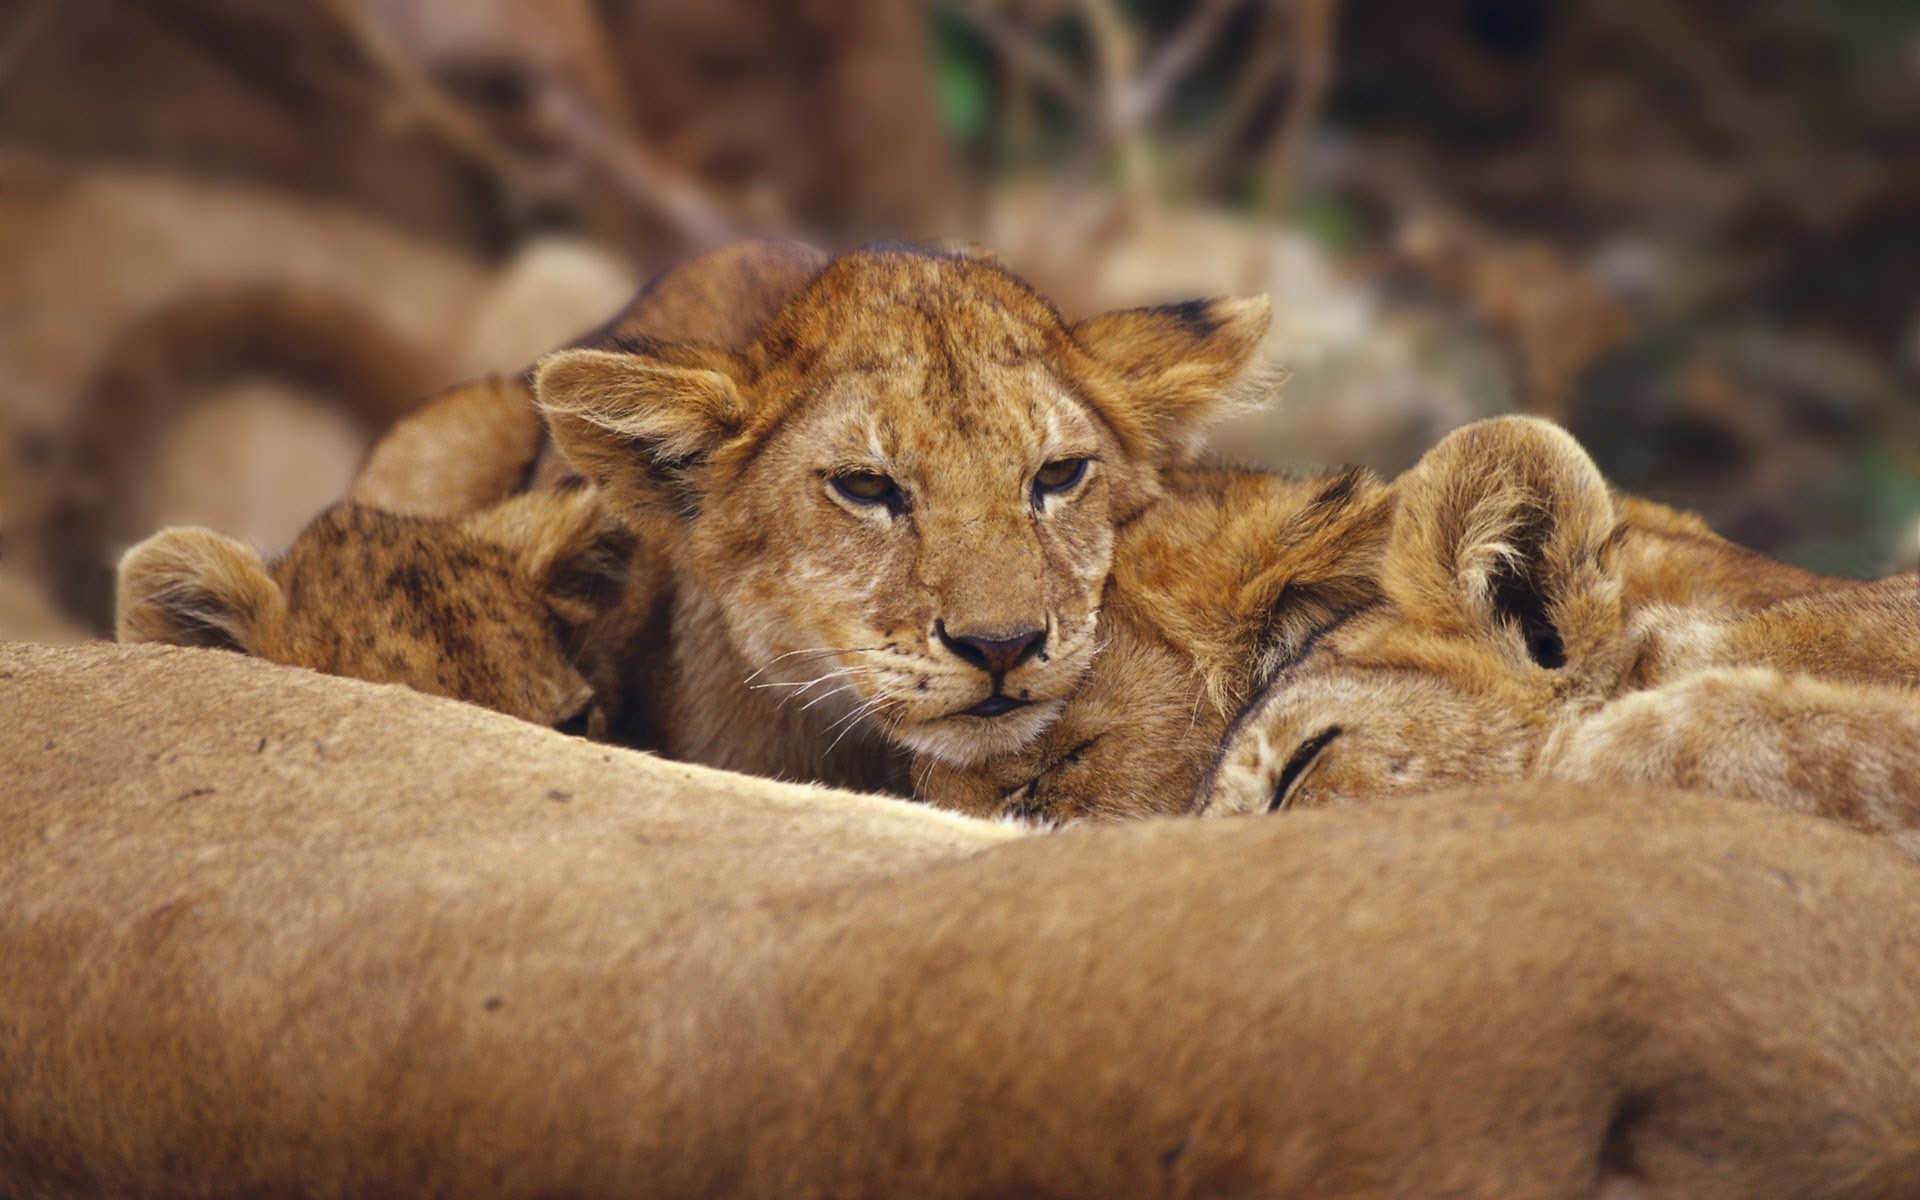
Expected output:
(638, 423)
(577, 555)
(195, 587)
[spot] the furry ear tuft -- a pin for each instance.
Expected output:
(1182, 366)
(578, 556)
(1508, 522)
(634, 422)
(195, 587)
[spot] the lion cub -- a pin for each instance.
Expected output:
(467, 560)
(1533, 626)
(892, 513)
(1213, 589)
(527, 607)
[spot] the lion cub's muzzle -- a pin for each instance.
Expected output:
(996, 655)
(990, 687)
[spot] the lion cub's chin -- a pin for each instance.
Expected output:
(963, 741)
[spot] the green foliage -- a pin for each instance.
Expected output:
(961, 82)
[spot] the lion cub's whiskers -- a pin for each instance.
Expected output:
(814, 651)
(850, 722)
(839, 674)
(845, 687)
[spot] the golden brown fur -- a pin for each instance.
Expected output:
(1212, 589)
(1527, 630)
(510, 608)
(257, 943)
(816, 633)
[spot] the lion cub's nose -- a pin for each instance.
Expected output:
(996, 656)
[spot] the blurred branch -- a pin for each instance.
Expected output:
(686, 206)
(1314, 25)
(1211, 160)
(683, 205)
(1115, 51)
(1176, 57)
(420, 100)
(1022, 50)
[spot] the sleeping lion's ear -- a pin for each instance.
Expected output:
(195, 587)
(1182, 365)
(636, 423)
(1508, 523)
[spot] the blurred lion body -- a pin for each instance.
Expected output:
(259, 943)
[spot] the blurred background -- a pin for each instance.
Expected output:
(237, 238)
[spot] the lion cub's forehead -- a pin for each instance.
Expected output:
(902, 356)
(886, 301)
(937, 321)
(905, 417)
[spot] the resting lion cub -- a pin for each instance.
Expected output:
(430, 576)
(892, 515)
(504, 608)
(1533, 627)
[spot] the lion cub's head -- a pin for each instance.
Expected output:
(1519, 599)
(903, 495)
(490, 609)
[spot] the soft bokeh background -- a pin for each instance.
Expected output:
(237, 237)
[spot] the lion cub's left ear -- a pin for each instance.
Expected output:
(638, 424)
(1183, 365)
(195, 587)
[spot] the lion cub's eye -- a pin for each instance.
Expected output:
(1058, 476)
(867, 487)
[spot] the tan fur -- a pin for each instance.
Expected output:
(813, 635)
(1847, 751)
(1524, 612)
(1212, 590)
(257, 943)
(506, 609)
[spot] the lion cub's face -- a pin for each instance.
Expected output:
(487, 609)
(901, 500)
(1497, 609)
(1518, 609)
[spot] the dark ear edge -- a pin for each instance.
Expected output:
(195, 587)
(1507, 522)
(1180, 366)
